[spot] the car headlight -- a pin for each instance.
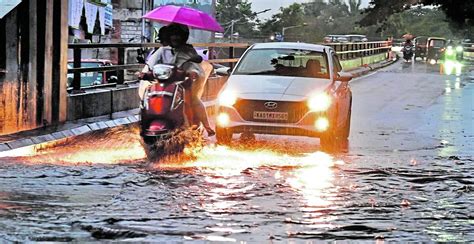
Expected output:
(319, 102)
(227, 98)
(162, 71)
(459, 49)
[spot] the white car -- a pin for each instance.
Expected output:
(286, 89)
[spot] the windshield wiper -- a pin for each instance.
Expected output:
(266, 72)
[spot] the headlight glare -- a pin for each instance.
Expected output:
(319, 102)
(227, 98)
(459, 49)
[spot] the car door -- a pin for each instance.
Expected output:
(342, 92)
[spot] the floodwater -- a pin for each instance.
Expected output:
(408, 176)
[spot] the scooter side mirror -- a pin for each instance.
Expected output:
(224, 71)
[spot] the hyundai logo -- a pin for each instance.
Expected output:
(271, 105)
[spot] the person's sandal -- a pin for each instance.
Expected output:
(210, 132)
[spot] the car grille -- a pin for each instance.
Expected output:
(295, 110)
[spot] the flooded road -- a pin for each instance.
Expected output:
(408, 176)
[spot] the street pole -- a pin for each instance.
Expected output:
(291, 27)
(232, 31)
(232, 23)
(143, 20)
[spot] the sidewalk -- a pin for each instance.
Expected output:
(39, 137)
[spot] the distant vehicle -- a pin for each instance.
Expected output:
(93, 78)
(420, 47)
(287, 88)
(455, 49)
(408, 52)
(435, 49)
(335, 39)
(357, 38)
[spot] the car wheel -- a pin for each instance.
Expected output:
(336, 139)
(346, 130)
(223, 135)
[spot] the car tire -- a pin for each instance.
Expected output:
(336, 139)
(223, 135)
(346, 130)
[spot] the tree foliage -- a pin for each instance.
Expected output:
(461, 12)
(325, 17)
(289, 16)
(419, 21)
(239, 11)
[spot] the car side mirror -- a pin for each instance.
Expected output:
(224, 71)
(344, 77)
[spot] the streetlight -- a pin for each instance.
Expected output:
(232, 22)
(291, 27)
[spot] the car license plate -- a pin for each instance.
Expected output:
(270, 115)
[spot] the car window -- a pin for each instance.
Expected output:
(90, 78)
(436, 43)
(284, 62)
(336, 64)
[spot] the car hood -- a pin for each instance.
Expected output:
(275, 87)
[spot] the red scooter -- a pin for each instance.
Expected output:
(166, 115)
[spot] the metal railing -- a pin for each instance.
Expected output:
(345, 51)
(230, 57)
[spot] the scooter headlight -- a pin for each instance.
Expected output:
(162, 71)
(459, 49)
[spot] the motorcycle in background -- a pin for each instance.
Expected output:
(408, 51)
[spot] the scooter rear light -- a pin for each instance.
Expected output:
(156, 126)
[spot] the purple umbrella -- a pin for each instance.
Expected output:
(185, 16)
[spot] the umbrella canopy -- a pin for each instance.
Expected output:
(185, 16)
(407, 36)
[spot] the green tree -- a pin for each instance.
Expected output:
(288, 16)
(354, 6)
(239, 11)
(420, 22)
(460, 12)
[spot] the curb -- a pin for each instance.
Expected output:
(40, 141)
(358, 72)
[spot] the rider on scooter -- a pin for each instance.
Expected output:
(183, 52)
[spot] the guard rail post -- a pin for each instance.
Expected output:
(121, 61)
(76, 83)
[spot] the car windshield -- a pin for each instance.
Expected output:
(284, 62)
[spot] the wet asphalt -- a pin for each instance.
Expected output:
(407, 176)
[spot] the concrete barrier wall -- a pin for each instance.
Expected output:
(106, 101)
(102, 102)
(355, 63)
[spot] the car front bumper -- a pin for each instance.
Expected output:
(304, 127)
